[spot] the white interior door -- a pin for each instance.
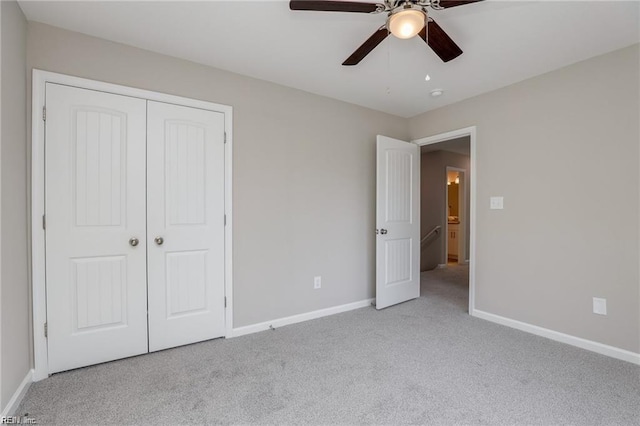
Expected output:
(95, 206)
(397, 222)
(185, 190)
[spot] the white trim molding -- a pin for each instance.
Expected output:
(472, 178)
(590, 345)
(40, 79)
(18, 395)
(294, 319)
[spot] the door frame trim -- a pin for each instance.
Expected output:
(472, 176)
(38, 277)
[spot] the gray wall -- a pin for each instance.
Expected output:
(303, 172)
(433, 166)
(14, 284)
(562, 148)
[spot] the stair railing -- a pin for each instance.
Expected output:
(435, 231)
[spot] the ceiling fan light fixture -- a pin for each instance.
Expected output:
(407, 23)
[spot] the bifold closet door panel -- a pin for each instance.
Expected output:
(185, 224)
(95, 227)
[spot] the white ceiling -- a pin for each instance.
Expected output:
(503, 43)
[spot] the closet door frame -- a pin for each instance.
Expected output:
(38, 272)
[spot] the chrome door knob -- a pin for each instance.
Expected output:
(159, 240)
(133, 241)
(383, 231)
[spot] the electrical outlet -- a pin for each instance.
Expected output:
(599, 306)
(496, 203)
(317, 282)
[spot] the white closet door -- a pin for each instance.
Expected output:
(95, 205)
(185, 190)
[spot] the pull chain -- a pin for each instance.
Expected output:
(388, 67)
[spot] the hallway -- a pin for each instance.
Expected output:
(449, 286)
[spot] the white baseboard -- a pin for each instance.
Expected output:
(281, 322)
(16, 399)
(589, 345)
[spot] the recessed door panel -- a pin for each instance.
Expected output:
(398, 257)
(186, 283)
(98, 157)
(95, 204)
(398, 186)
(185, 173)
(99, 298)
(185, 193)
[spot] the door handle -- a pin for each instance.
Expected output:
(133, 241)
(159, 240)
(383, 231)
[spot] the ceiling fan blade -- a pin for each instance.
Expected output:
(367, 46)
(336, 6)
(440, 42)
(453, 3)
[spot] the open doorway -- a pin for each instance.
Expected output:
(447, 214)
(456, 218)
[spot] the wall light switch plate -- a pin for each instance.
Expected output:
(317, 282)
(599, 306)
(496, 203)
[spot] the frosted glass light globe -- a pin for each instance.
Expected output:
(406, 23)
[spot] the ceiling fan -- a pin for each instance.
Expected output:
(405, 19)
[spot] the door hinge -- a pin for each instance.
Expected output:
(225, 220)
(225, 301)
(44, 113)
(46, 329)
(44, 222)
(225, 137)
